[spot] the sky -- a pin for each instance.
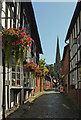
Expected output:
(53, 19)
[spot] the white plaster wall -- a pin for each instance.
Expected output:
(76, 79)
(12, 19)
(6, 97)
(8, 19)
(3, 14)
(78, 26)
(70, 78)
(26, 95)
(18, 16)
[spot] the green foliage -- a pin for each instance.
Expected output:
(42, 63)
(52, 71)
(43, 68)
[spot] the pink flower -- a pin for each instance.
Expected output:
(16, 32)
(28, 45)
(22, 29)
(23, 40)
(26, 40)
(29, 38)
(19, 35)
(16, 41)
(28, 48)
(13, 43)
(5, 29)
(20, 43)
(23, 32)
(33, 41)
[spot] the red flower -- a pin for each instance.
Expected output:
(14, 28)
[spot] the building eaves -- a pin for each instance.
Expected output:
(34, 30)
(74, 18)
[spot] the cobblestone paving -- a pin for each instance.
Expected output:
(52, 104)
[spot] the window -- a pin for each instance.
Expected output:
(26, 80)
(79, 74)
(17, 74)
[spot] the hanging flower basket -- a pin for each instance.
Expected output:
(35, 70)
(31, 67)
(16, 42)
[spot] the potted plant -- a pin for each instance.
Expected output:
(15, 42)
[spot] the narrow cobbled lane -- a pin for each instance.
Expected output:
(50, 105)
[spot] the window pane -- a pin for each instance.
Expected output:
(18, 69)
(24, 79)
(18, 75)
(24, 74)
(13, 75)
(18, 82)
(13, 68)
(13, 61)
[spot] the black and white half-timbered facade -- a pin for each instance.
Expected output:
(74, 37)
(17, 86)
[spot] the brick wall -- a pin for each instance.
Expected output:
(65, 68)
(75, 95)
(37, 88)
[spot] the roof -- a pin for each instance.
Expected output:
(73, 21)
(34, 30)
(64, 53)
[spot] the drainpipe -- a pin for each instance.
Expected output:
(3, 86)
